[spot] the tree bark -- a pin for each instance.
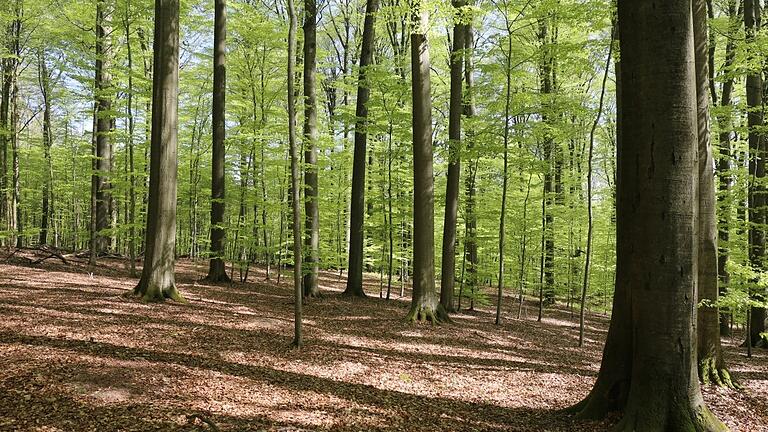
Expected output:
(103, 86)
(216, 270)
(157, 278)
(312, 217)
(757, 198)
(44, 81)
(425, 305)
(448, 267)
(295, 194)
(649, 369)
(710, 354)
(357, 214)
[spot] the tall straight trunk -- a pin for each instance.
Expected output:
(425, 305)
(312, 217)
(216, 270)
(546, 90)
(649, 372)
(448, 272)
(502, 217)
(470, 183)
(8, 123)
(590, 221)
(710, 354)
(44, 81)
(757, 198)
(103, 89)
(724, 121)
(357, 215)
(295, 173)
(131, 159)
(157, 278)
(15, 212)
(5, 102)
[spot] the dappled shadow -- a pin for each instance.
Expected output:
(68, 339)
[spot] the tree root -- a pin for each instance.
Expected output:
(423, 314)
(712, 373)
(678, 419)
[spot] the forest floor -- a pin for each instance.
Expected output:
(75, 355)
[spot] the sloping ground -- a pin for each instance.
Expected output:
(77, 356)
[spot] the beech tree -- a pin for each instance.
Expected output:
(425, 305)
(357, 206)
(649, 358)
(312, 223)
(216, 270)
(158, 280)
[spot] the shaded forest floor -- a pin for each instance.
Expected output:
(77, 356)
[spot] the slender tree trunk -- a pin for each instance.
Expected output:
(724, 121)
(357, 215)
(471, 186)
(216, 270)
(104, 123)
(425, 305)
(590, 222)
(757, 198)
(295, 194)
(312, 222)
(502, 217)
(44, 81)
(448, 267)
(131, 164)
(157, 277)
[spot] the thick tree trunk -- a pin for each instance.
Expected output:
(357, 215)
(157, 278)
(425, 305)
(295, 194)
(103, 85)
(649, 364)
(216, 270)
(448, 267)
(757, 198)
(312, 217)
(710, 354)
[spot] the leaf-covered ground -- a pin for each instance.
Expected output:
(77, 356)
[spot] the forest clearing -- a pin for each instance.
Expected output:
(76, 355)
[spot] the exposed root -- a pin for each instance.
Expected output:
(712, 373)
(677, 418)
(423, 314)
(156, 295)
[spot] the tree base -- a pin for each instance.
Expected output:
(217, 272)
(711, 372)
(433, 315)
(354, 293)
(675, 419)
(155, 294)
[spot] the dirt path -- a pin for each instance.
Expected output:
(76, 356)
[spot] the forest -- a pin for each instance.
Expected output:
(383, 215)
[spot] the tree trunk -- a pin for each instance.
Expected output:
(546, 85)
(448, 267)
(648, 368)
(216, 270)
(724, 121)
(425, 305)
(103, 85)
(295, 194)
(757, 198)
(710, 354)
(44, 81)
(131, 164)
(312, 218)
(157, 278)
(470, 184)
(357, 215)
